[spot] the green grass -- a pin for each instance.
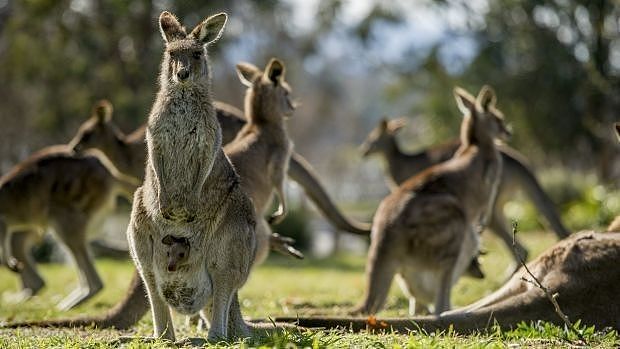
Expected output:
(286, 287)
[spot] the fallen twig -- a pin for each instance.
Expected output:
(534, 281)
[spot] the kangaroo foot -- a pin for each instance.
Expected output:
(19, 297)
(78, 297)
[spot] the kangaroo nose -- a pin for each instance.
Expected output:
(183, 74)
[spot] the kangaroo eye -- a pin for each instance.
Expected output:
(182, 255)
(197, 54)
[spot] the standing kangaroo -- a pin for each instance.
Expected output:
(191, 191)
(516, 174)
(582, 269)
(54, 188)
(426, 231)
(262, 148)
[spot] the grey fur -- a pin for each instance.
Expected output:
(191, 191)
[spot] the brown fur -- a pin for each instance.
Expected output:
(54, 188)
(262, 148)
(426, 231)
(581, 269)
(516, 174)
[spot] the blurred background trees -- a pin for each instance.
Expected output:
(554, 64)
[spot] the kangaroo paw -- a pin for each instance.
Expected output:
(14, 265)
(275, 218)
(283, 244)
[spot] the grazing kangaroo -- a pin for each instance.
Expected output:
(427, 230)
(54, 188)
(262, 148)
(516, 174)
(582, 269)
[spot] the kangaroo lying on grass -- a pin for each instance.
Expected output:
(582, 269)
(54, 188)
(426, 231)
(516, 174)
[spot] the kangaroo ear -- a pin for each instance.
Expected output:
(396, 124)
(384, 124)
(275, 71)
(103, 111)
(170, 27)
(167, 240)
(247, 73)
(464, 100)
(210, 30)
(486, 98)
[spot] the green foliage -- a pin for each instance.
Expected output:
(583, 202)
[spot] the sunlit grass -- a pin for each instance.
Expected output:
(282, 287)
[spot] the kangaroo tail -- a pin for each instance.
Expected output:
(506, 315)
(102, 248)
(514, 164)
(303, 173)
(122, 316)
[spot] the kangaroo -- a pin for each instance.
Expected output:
(262, 149)
(516, 174)
(191, 191)
(426, 231)
(178, 251)
(581, 269)
(55, 188)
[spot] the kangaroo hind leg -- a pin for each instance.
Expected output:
(380, 270)
(21, 244)
(72, 232)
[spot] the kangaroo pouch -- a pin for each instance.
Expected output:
(189, 288)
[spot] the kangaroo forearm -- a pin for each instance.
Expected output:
(301, 172)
